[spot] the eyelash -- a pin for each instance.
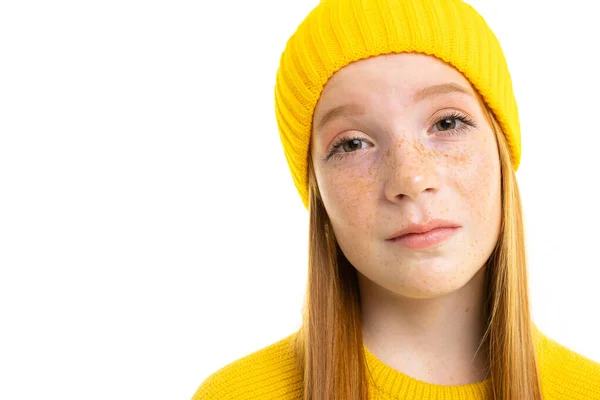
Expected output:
(467, 124)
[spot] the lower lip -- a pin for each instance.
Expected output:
(426, 239)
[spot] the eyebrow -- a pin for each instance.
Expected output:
(350, 109)
(353, 109)
(437, 90)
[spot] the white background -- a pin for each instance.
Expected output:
(150, 232)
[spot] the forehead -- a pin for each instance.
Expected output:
(402, 73)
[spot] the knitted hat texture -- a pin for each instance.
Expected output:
(338, 32)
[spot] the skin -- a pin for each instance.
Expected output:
(422, 309)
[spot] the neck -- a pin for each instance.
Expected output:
(436, 339)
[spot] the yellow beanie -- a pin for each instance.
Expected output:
(339, 32)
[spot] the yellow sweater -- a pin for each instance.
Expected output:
(270, 373)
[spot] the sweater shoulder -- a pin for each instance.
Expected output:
(268, 373)
(566, 374)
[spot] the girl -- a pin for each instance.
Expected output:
(401, 131)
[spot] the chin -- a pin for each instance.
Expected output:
(430, 284)
(439, 290)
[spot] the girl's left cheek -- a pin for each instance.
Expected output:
(475, 180)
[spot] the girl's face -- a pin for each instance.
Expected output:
(402, 139)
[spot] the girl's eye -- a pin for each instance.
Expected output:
(346, 144)
(447, 125)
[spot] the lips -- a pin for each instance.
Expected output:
(423, 228)
(426, 240)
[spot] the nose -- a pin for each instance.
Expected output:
(410, 170)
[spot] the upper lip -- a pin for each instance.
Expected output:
(425, 227)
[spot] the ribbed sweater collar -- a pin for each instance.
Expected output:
(396, 384)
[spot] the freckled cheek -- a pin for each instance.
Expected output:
(477, 178)
(348, 194)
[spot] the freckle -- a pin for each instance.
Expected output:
(467, 309)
